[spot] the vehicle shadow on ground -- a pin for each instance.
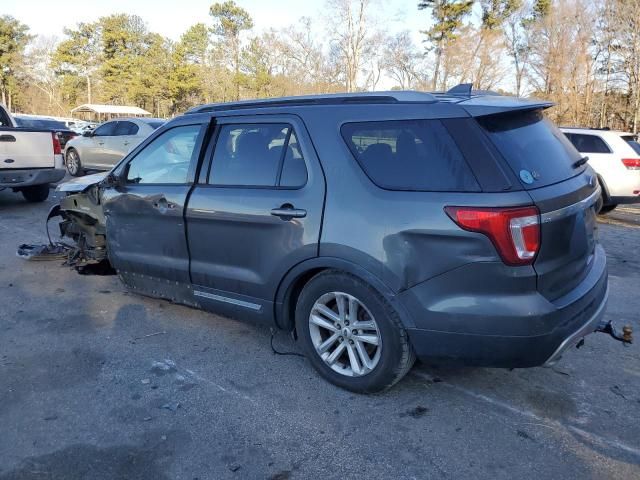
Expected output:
(146, 459)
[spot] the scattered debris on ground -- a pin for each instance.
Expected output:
(52, 251)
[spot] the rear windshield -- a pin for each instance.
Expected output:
(537, 151)
(415, 155)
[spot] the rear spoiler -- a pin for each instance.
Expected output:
(496, 104)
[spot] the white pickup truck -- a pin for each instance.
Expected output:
(30, 159)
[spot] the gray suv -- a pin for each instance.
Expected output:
(377, 227)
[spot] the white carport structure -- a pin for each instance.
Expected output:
(92, 111)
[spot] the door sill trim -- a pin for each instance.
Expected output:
(233, 301)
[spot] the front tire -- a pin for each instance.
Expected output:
(74, 165)
(351, 334)
(36, 193)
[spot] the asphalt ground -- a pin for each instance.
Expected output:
(99, 383)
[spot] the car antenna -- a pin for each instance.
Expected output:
(463, 89)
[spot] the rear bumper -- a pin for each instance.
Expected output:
(30, 177)
(533, 333)
(621, 187)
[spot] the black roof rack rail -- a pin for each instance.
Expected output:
(329, 99)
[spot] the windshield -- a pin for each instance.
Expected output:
(537, 151)
(40, 123)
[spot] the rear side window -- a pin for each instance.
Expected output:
(537, 151)
(126, 128)
(155, 124)
(635, 145)
(258, 155)
(632, 140)
(415, 155)
(588, 143)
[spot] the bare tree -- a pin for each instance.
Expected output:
(516, 41)
(349, 33)
(401, 60)
(38, 69)
(627, 56)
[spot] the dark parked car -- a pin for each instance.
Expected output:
(63, 133)
(378, 227)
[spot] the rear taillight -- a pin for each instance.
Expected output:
(515, 232)
(57, 148)
(631, 163)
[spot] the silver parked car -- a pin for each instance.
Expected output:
(105, 146)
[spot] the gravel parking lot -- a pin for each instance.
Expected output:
(97, 383)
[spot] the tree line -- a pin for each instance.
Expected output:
(582, 54)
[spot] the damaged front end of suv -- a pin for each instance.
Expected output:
(83, 220)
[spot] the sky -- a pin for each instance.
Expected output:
(171, 18)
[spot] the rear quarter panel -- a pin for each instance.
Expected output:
(403, 238)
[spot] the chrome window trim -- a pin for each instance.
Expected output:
(570, 209)
(233, 301)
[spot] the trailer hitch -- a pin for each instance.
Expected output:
(624, 335)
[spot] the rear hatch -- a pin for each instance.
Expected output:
(560, 184)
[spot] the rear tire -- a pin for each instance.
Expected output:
(74, 165)
(352, 359)
(36, 193)
(606, 209)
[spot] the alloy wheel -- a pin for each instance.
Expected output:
(345, 334)
(72, 162)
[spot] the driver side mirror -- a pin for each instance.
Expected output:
(113, 180)
(88, 133)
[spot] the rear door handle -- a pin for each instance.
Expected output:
(7, 138)
(286, 212)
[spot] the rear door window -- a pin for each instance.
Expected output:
(588, 143)
(414, 155)
(257, 155)
(537, 151)
(126, 128)
(294, 169)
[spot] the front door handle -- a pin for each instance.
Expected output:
(7, 138)
(287, 212)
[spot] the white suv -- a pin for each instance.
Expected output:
(615, 156)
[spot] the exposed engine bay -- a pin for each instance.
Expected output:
(83, 221)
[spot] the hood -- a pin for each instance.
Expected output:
(80, 184)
